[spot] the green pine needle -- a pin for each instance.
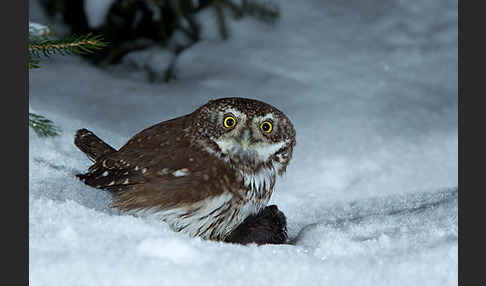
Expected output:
(70, 45)
(42, 126)
(42, 44)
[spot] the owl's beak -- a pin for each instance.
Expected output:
(245, 138)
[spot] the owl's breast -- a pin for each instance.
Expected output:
(216, 217)
(217, 214)
(213, 218)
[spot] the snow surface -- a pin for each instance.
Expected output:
(370, 195)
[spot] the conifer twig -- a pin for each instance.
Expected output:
(42, 44)
(42, 126)
(69, 45)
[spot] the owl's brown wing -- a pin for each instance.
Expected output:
(159, 167)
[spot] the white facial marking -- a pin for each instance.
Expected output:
(235, 112)
(258, 120)
(262, 150)
(226, 145)
(266, 150)
(263, 118)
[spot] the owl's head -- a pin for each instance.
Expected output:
(246, 133)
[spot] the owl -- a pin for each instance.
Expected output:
(209, 173)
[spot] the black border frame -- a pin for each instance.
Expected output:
(15, 143)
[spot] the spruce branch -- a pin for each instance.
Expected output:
(42, 126)
(41, 44)
(77, 45)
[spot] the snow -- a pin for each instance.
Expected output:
(370, 194)
(96, 11)
(37, 30)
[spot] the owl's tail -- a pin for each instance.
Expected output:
(91, 145)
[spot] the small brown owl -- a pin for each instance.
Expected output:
(209, 173)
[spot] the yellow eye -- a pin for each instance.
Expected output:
(229, 121)
(266, 127)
